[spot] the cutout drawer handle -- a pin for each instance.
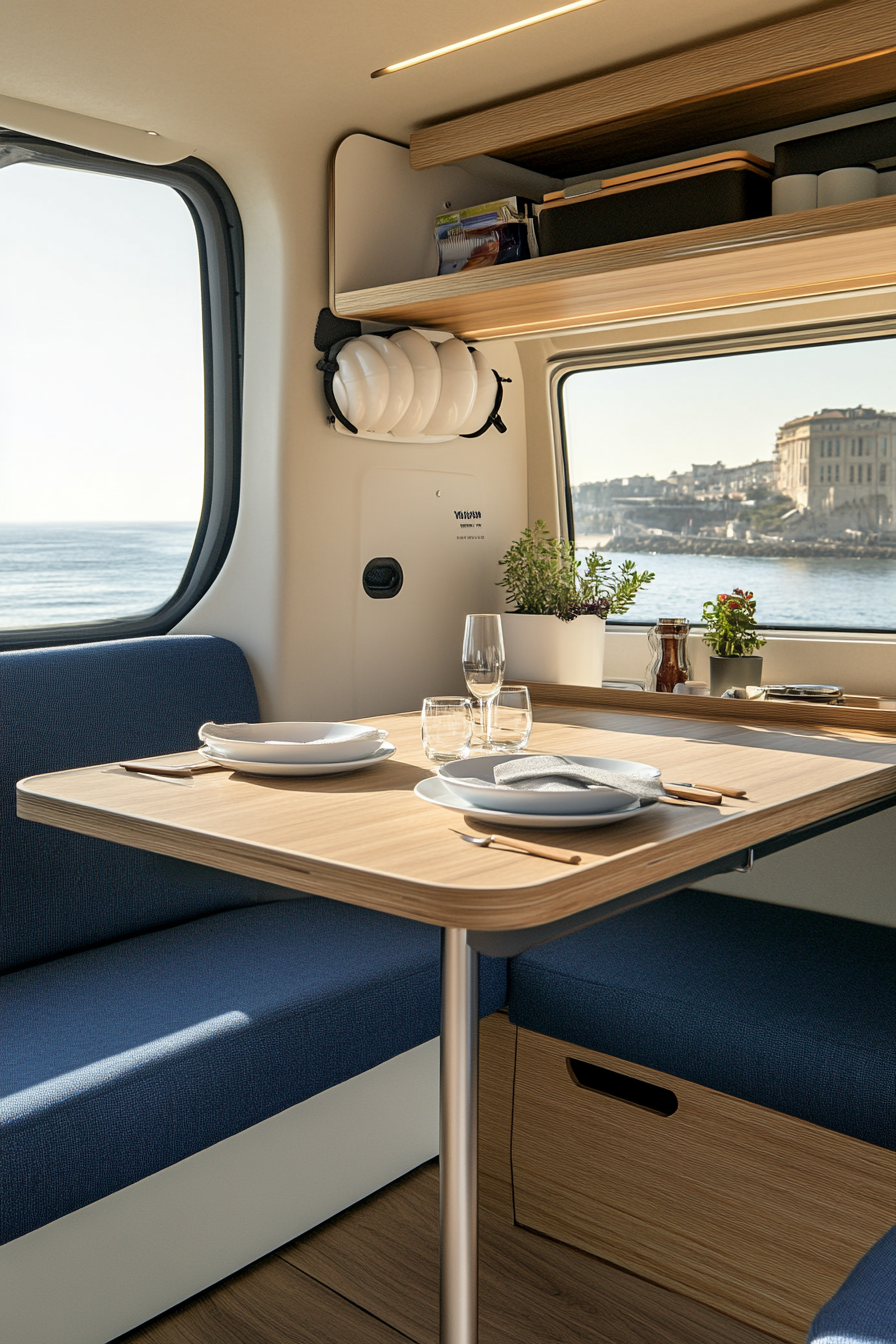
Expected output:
(646, 1096)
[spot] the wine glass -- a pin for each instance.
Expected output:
(483, 660)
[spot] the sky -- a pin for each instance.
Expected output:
(652, 419)
(101, 380)
(101, 368)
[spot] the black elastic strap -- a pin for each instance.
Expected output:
(328, 367)
(494, 418)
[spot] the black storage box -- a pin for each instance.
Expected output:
(721, 189)
(849, 147)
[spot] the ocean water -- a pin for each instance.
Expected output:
(62, 573)
(820, 592)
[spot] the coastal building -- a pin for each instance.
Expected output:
(714, 479)
(840, 458)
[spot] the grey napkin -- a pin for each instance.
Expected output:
(555, 774)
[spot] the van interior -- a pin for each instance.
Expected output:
(625, 235)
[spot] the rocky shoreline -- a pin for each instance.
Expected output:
(722, 546)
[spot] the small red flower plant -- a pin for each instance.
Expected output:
(731, 630)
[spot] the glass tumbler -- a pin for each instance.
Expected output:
(446, 726)
(510, 719)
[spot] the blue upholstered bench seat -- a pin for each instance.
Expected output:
(786, 1008)
(863, 1310)
(154, 1007)
(83, 705)
(124, 1059)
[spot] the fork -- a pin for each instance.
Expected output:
(540, 851)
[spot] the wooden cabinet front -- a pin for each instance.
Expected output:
(755, 1213)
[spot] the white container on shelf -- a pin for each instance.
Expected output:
(798, 191)
(841, 186)
(544, 648)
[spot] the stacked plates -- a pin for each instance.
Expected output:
(469, 786)
(294, 748)
(809, 694)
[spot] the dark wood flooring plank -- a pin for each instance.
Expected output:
(271, 1302)
(383, 1255)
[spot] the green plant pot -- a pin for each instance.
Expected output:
(725, 672)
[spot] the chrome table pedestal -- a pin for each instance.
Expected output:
(458, 1146)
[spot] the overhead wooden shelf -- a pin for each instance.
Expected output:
(780, 257)
(815, 65)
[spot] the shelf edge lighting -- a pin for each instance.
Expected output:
(483, 37)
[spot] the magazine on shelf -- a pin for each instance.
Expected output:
(486, 235)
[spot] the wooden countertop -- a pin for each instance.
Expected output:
(366, 839)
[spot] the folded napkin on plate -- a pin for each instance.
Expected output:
(220, 730)
(555, 774)
(326, 741)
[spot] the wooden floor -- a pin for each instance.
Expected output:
(370, 1276)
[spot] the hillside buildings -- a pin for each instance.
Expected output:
(840, 459)
(832, 478)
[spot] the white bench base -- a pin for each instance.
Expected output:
(104, 1269)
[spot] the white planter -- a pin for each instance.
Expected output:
(544, 648)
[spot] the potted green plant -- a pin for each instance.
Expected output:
(549, 589)
(731, 634)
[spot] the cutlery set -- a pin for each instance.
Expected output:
(675, 794)
(150, 767)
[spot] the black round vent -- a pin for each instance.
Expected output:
(382, 577)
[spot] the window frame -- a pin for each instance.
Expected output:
(562, 367)
(219, 238)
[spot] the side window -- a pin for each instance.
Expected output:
(712, 467)
(118, 451)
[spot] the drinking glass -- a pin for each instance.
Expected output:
(510, 719)
(483, 659)
(446, 726)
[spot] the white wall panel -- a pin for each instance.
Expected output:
(448, 565)
(848, 872)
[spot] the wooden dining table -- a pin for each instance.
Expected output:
(365, 838)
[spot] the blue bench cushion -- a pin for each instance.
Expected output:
(863, 1310)
(124, 1059)
(786, 1008)
(87, 704)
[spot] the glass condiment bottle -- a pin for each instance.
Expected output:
(669, 664)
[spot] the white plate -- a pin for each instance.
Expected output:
(401, 382)
(290, 768)
(292, 742)
(458, 390)
(427, 382)
(361, 387)
(434, 791)
(579, 802)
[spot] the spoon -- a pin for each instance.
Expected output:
(540, 851)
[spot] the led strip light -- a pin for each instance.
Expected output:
(483, 37)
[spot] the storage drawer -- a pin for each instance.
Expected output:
(755, 1213)
(698, 199)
